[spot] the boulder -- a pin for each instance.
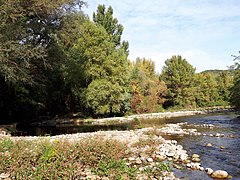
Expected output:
(220, 174)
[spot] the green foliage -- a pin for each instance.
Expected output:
(30, 57)
(235, 90)
(178, 75)
(105, 19)
(213, 88)
(98, 72)
(148, 91)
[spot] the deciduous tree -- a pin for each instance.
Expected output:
(178, 75)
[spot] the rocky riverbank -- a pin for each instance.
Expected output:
(151, 154)
(74, 119)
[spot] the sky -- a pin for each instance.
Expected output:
(204, 32)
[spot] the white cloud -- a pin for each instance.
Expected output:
(202, 31)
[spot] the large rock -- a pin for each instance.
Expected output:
(220, 174)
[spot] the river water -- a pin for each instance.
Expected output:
(226, 158)
(224, 153)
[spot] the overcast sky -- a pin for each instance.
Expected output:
(204, 32)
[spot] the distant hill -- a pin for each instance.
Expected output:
(217, 72)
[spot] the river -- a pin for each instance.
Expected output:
(225, 151)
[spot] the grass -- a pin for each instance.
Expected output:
(46, 158)
(43, 159)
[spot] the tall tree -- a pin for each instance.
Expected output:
(178, 75)
(98, 72)
(105, 18)
(27, 44)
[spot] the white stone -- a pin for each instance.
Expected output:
(170, 153)
(179, 147)
(195, 156)
(220, 174)
(209, 145)
(174, 142)
(138, 161)
(131, 159)
(4, 175)
(209, 171)
(150, 159)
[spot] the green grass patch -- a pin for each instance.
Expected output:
(43, 159)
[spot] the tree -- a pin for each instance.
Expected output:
(225, 82)
(148, 92)
(29, 55)
(206, 90)
(235, 90)
(105, 18)
(26, 30)
(178, 75)
(98, 72)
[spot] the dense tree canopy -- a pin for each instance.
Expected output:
(98, 72)
(235, 91)
(148, 92)
(178, 75)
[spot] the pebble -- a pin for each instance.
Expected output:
(209, 145)
(150, 159)
(196, 159)
(138, 161)
(209, 171)
(195, 156)
(4, 175)
(131, 159)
